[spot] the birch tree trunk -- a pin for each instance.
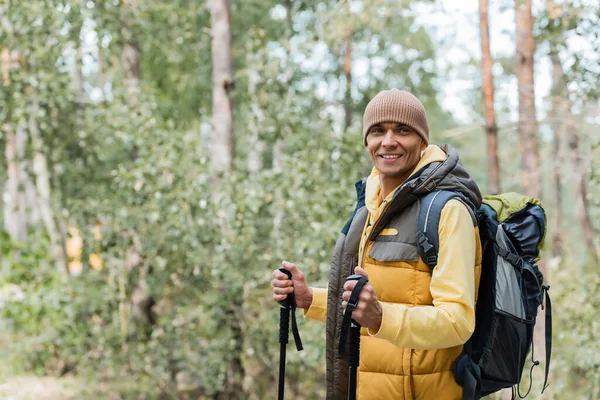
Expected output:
(527, 126)
(222, 162)
(222, 137)
(348, 74)
(44, 198)
(28, 200)
(20, 213)
(491, 129)
(77, 75)
(557, 118)
(130, 54)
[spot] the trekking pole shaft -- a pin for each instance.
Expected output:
(353, 359)
(281, 389)
(284, 332)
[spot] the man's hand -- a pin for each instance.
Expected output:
(282, 286)
(368, 312)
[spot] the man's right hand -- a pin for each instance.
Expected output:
(282, 286)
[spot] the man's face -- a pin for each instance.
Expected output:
(395, 150)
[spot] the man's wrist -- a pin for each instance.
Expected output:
(309, 301)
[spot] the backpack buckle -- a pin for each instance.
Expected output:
(431, 261)
(429, 254)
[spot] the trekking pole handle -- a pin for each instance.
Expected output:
(287, 302)
(287, 307)
(354, 277)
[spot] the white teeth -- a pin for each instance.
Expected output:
(391, 156)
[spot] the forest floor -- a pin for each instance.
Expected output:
(38, 388)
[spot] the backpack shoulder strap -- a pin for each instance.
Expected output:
(428, 222)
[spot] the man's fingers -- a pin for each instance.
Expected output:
(360, 271)
(282, 282)
(277, 274)
(279, 297)
(346, 295)
(296, 273)
(281, 290)
(349, 285)
(289, 266)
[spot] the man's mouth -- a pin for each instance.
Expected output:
(390, 156)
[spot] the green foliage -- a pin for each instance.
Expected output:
(203, 248)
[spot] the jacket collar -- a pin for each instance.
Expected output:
(439, 168)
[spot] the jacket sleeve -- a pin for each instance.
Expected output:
(318, 307)
(450, 321)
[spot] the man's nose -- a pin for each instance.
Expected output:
(388, 139)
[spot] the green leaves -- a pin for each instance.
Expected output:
(204, 248)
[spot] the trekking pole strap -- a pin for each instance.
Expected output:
(295, 331)
(548, 318)
(352, 303)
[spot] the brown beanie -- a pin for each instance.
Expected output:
(396, 106)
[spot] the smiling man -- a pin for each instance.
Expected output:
(415, 320)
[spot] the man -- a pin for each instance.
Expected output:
(414, 320)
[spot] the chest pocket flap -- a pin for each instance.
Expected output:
(393, 251)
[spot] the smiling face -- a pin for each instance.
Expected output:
(395, 150)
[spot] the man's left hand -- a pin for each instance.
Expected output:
(368, 311)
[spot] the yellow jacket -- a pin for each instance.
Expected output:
(427, 317)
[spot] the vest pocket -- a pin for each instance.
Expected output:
(393, 251)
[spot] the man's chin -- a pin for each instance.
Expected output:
(390, 172)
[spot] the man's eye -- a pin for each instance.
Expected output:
(377, 131)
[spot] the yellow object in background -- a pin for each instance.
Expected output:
(74, 246)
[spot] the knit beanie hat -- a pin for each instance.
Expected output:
(396, 106)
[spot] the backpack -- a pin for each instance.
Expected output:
(512, 229)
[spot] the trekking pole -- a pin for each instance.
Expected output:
(287, 306)
(351, 327)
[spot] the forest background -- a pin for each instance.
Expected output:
(160, 159)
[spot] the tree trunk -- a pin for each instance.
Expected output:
(101, 74)
(527, 126)
(527, 132)
(44, 198)
(557, 163)
(130, 54)
(348, 73)
(222, 139)
(139, 307)
(565, 114)
(491, 129)
(222, 162)
(20, 210)
(77, 75)
(5, 62)
(580, 185)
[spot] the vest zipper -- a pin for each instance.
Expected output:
(364, 246)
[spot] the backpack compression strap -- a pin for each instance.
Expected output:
(429, 220)
(548, 318)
